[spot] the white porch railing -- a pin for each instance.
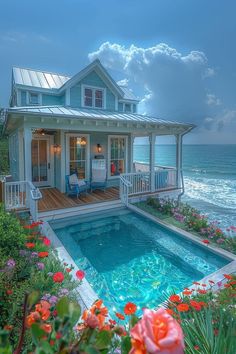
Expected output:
(136, 183)
(22, 195)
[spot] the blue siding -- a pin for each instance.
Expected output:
(92, 79)
(120, 107)
(23, 98)
(134, 108)
(48, 100)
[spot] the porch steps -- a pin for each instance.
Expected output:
(80, 210)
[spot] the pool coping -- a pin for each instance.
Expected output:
(86, 296)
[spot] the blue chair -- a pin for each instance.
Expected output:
(75, 189)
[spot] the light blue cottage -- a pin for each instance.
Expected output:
(57, 125)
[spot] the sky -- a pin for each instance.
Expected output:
(178, 56)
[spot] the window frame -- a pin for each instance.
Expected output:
(109, 155)
(28, 97)
(87, 153)
(94, 89)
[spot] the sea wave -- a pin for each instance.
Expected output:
(218, 192)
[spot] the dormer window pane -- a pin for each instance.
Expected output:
(98, 98)
(88, 97)
(127, 107)
(33, 98)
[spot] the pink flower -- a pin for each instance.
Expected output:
(92, 321)
(46, 241)
(80, 274)
(157, 332)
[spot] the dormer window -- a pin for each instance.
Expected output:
(127, 107)
(93, 97)
(33, 98)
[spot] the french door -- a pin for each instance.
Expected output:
(41, 161)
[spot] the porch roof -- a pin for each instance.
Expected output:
(81, 113)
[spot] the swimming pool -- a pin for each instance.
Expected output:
(127, 257)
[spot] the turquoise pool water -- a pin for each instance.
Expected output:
(127, 257)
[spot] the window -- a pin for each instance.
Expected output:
(127, 107)
(33, 98)
(88, 97)
(93, 97)
(117, 155)
(78, 155)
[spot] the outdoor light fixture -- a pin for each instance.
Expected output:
(99, 148)
(57, 148)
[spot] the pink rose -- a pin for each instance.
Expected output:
(157, 332)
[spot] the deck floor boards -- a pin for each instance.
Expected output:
(53, 199)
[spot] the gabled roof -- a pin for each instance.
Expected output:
(52, 81)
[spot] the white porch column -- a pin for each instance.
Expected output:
(178, 159)
(152, 140)
(27, 153)
(132, 137)
(63, 161)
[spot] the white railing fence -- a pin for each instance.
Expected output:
(22, 195)
(132, 184)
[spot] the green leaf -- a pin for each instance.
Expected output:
(91, 350)
(74, 312)
(37, 333)
(62, 307)
(133, 320)
(103, 340)
(32, 298)
(125, 345)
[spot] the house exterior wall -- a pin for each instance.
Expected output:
(14, 155)
(48, 100)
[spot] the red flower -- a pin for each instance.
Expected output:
(9, 292)
(202, 303)
(58, 277)
(43, 254)
(187, 292)
(204, 285)
(211, 282)
(201, 291)
(80, 274)
(130, 308)
(46, 241)
(228, 276)
(196, 305)
(196, 283)
(206, 242)
(58, 335)
(196, 347)
(183, 307)
(68, 270)
(175, 298)
(120, 316)
(30, 245)
(112, 322)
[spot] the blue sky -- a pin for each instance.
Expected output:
(178, 56)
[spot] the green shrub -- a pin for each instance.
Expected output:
(12, 235)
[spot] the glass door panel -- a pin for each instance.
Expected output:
(40, 162)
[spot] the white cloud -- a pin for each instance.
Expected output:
(172, 84)
(212, 100)
(124, 82)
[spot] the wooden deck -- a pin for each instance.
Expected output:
(53, 199)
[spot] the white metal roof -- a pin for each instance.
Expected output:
(92, 114)
(128, 94)
(39, 79)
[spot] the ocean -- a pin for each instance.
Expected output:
(209, 177)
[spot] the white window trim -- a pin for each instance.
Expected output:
(93, 88)
(28, 98)
(109, 154)
(78, 135)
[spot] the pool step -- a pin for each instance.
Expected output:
(80, 210)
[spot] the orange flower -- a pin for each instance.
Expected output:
(183, 307)
(202, 291)
(130, 308)
(175, 298)
(30, 245)
(46, 327)
(8, 327)
(32, 318)
(97, 314)
(170, 311)
(120, 316)
(202, 303)
(228, 276)
(187, 292)
(43, 254)
(157, 332)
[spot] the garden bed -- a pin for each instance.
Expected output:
(190, 219)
